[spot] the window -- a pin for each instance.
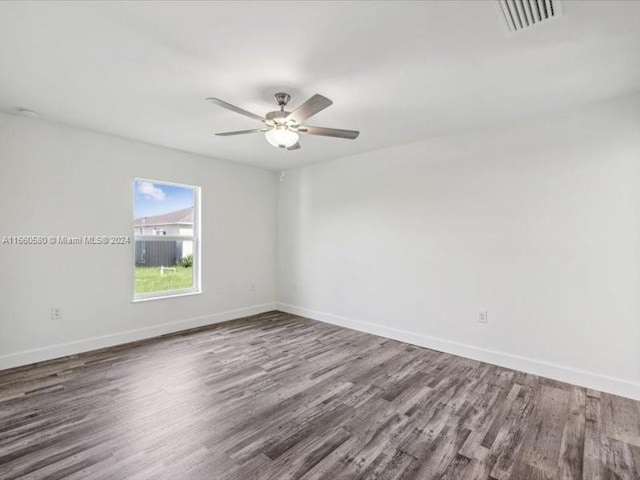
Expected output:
(166, 232)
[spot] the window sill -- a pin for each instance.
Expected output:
(166, 295)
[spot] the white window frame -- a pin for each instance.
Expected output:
(195, 238)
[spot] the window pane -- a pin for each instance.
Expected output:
(163, 266)
(163, 209)
(166, 239)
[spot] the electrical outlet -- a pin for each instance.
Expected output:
(56, 313)
(253, 287)
(483, 317)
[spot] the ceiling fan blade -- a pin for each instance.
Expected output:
(330, 132)
(309, 108)
(241, 132)
(295, 146)
(233, 108)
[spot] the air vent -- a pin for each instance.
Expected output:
(521, 14)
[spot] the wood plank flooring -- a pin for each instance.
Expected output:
(276, 397)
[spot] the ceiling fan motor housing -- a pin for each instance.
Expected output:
(277, 117)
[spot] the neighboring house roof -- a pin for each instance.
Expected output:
(179, 217)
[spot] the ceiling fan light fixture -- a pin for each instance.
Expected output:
(281, 136)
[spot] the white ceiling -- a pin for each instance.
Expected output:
(397, 71)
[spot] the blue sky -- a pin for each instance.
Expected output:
(158, 198)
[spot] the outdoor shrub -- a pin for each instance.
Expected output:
(187, 261)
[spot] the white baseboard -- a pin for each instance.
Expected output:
(616, 386)
(62, 350)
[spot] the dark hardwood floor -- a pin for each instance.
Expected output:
(278, 397)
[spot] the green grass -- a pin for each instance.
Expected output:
(148, 279)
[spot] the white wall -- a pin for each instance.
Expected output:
(537, 222)
(56, 180)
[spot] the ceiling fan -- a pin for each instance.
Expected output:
(282, 128)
